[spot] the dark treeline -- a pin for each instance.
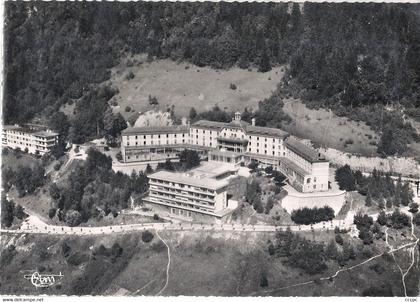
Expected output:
(312, 215)
(346, 56)
(54, 51)
(378, 187)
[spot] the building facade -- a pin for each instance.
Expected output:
(36, 139)
(192, 195)
(237, 142)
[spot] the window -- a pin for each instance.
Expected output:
(314, 179)
(136, 136)
(308, 181)
(314, 186)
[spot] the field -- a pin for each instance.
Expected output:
(185, 86)
(216, 264)
(327, 129)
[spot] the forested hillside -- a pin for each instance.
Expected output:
(340, 55)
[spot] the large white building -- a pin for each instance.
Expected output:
(36, 139)
(193, 195)
(234, 143)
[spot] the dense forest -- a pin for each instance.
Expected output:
(355, 58)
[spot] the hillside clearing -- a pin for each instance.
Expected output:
(184, 86)
(327, 129)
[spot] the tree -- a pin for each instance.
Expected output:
(368, 201)
(382, 219)
(263, 280)
(7, 208)
(416, 219)
(189, 158)
(406, 194)
(19, 212)
(146, 236)
(113, 123)
(149, 169)
(193, 114)
(257, 204)
(73, 218)
(389, 203)
(339, 239)
(264, 64)
(345, 179)
(414, 207)
(366, 236)
(331, 250)
(51, 212)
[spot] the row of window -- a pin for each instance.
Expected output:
(152, 143)
(175, 185)
(152, 136)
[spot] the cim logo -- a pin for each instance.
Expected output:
(39, 280)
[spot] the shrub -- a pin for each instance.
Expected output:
(414, 207)
(339, 239)
(73, 218)
(263, 280)
(119, 156)
(129, 76)
(155, 217)
(127, 109)
(51, 213)
(232, 86)
(147, 236)
(57, 166)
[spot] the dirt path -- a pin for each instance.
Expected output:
(168, 265)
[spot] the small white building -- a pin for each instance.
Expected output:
(36, 139)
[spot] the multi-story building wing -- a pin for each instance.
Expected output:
(192, 194)
(33, 138)
(307, 170)
(138, 143)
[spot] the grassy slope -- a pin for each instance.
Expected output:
(185, 85)
(333, 132)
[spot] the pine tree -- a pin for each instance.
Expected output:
(331, 250)
(382, 218)
(193, 114)
(389, 203)
(265, 64)
(149, 169)
(381, 204)
(368, 201)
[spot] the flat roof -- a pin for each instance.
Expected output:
(33, 131)
(156, 130)
(190, 178)
(304, 151)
